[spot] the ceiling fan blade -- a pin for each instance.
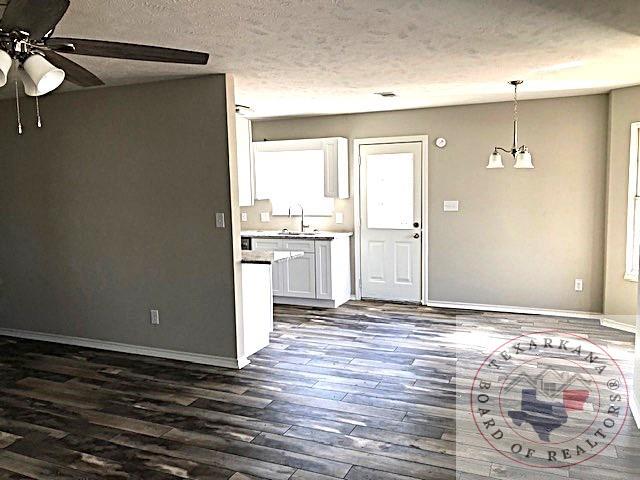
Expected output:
(73, 72)
(37, 17)
(129, 51)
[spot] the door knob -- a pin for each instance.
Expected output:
(416, 235)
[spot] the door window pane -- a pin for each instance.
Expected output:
(390, 191)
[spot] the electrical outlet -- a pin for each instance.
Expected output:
(578, 285)
(339, 217)
(264, 216)
(155, 317)
(219, 220)
(244, 216)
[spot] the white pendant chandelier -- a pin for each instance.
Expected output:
(520, 153)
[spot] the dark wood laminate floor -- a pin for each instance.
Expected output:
(364, 392)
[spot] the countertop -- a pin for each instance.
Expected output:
(267, 256)
(306, 235)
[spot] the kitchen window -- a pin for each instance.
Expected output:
(633, 207)
(291, 178)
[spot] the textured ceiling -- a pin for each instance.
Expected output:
(301, 57)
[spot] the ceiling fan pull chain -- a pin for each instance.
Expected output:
(18, 109)
(38, 113)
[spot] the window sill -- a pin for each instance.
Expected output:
(631, 277)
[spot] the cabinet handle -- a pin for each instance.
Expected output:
(416, 235)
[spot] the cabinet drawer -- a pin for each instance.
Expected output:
(307, 246)
(266, 244)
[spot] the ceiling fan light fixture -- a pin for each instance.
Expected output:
(5, 65)
(45, 76)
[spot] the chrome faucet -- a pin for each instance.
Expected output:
(302, 225)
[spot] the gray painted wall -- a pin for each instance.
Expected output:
(108, 211)
(620, 295)
(521, 237)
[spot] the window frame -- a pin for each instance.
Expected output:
(278, 146)
(632, 260)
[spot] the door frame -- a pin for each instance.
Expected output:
(357, 220)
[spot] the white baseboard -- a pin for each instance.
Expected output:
(213, 360)
(308, 302)
(635, 409)
(607, 322)
(514, 309)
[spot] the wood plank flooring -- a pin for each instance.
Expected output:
(363, 392)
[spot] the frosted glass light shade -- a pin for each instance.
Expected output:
(495, 160)
(29, 87)
(5, 65)
(44, 76)
(523, 159)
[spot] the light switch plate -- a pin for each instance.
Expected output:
(219, 220)
(244, 216)
(264, 216)
(451, 206)
(339, 217)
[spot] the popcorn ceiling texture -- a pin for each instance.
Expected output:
(301, 57)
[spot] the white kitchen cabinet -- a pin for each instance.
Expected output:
(336, 168)
(300, 276)
(323, 270)
(321, 277)
(336, 159)
(277, 280)
(245, 162)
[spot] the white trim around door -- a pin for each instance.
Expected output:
(355, 188)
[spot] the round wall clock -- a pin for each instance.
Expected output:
(441, 142)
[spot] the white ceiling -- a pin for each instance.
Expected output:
(304, 57)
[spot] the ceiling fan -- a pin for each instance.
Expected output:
(27, 41)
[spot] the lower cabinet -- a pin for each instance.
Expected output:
(299, 275)
(321, 277)
(323, 270)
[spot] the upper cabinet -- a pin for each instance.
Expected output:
(246, 183)
(336, 167)
(333, 151)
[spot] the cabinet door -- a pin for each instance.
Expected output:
(306, 246)
(323, 270)
(336, 167)
(277, 268)
(245, 162)
(300, 276)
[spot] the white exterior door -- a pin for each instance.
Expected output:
(391, 221)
